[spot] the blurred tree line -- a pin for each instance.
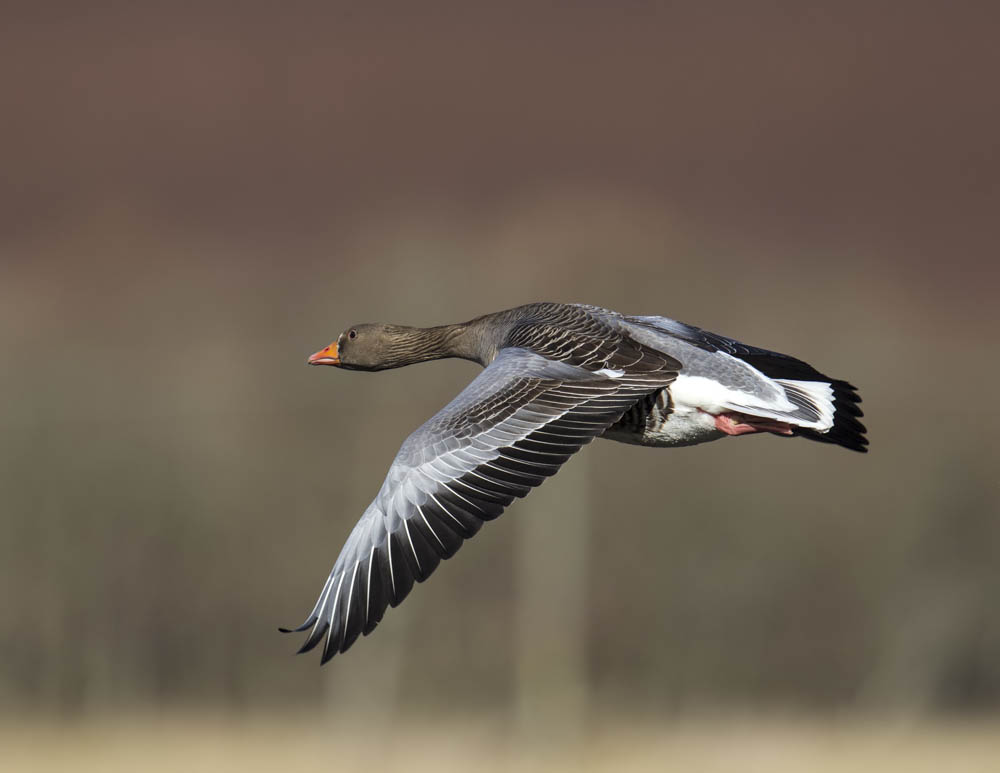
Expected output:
(176, 484)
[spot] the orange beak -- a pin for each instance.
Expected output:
(327, 356)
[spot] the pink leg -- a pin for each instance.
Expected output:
(739, 424)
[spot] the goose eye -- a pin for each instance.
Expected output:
(353, 334)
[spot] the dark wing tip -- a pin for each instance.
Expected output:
(327, 656)
(306, 625)
(314, 638)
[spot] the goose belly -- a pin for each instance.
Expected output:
(662, 422)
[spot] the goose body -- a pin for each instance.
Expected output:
(555, 377)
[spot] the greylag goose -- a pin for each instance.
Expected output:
(555, 377)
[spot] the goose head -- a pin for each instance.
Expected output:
(376, 346)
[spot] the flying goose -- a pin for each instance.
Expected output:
(555, 377)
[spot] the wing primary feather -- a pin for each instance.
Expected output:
(516, 490)
(430, 528)
(465, 529)
(450, 538)
(310, 621)
(489, 497)
(526, 467)
(523, 479)
(327, 654)
(404, 569)
(516, 454)
(532, 442)
(547, 432)
(315, 637)
(347, 607)
(406, 528)
(392, 573)
(368, 585)
(467, 501)
(317, 613)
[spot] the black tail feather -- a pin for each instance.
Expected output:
(847, 430)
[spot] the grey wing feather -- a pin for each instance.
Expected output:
(708, 355)
(512, 427)
(706, 340)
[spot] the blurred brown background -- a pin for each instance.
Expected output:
(195, 197)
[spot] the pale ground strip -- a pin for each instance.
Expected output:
(198, 742)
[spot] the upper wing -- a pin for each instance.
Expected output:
(508, 430)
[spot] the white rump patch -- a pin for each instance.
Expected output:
(820, 396)
(801, 403)
(709, 395)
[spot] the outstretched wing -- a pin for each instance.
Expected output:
(508, 430)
